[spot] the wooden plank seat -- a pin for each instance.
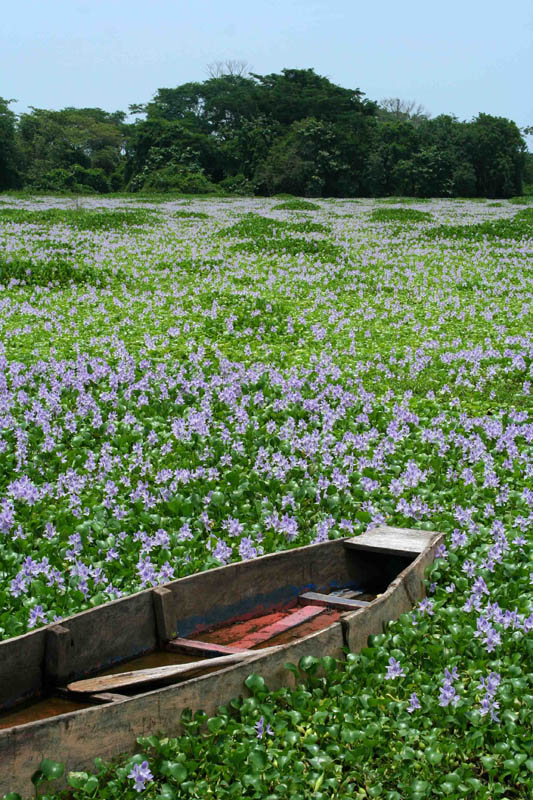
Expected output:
(395, 541)
(332, 601)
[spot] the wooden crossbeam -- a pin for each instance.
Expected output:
(195, 647)
(331, 601)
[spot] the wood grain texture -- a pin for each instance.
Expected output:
(332, 601)
(402, 594)
(100, 638)
(57, 651)
(81, 737)
(166, 615)
(21, 667)
(248, 588)
(108, 697)
(386, 539)
(195, 647)
(141, 677)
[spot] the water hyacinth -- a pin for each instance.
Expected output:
(196, 399)
(140, 774)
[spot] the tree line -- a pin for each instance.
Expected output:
(290, 132)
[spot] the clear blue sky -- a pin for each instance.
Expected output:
(457, 56)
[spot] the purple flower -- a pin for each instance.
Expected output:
(426, 607)
(394, 670)
(441, 551)
(146, 571)
(36, 615)
(140, 773)
(260, 728)
(458, 539)
(480, 587)
(488, 704)
(222, 552)
(448, 695)
(233, 526)
(247, 549)
(414, 703)
(451, 676)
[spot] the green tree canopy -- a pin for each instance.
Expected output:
(293, 131)
(9, 155)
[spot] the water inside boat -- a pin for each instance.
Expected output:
(41, 709)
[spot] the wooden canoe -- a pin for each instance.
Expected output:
(60, 691)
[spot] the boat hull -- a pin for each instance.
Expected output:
(113, 727)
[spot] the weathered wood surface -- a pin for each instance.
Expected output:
(109, 697)
(166, 614)
(398, 541)
(333, 601)
(246, 589)
(111, 729)
(140, 677)
(21, 667)
(400, 597)
(195, 647)
(100, 638)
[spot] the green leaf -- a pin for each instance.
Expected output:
(308, 664)
(318, 783)
(92, 784)
(447, 787)
(255, 683)
(328, 664)
(291, 737)
(433, 756)
(258, 759)
(292, 668)
(252, 780)
(489, 762)
(166, 792)
(77, 779)
(174, 769)
(48, 771)
(214, 724)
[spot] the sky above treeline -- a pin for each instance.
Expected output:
(459, 56)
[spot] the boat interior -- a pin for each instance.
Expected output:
(234, 610)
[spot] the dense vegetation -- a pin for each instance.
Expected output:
(188, 383)
(292, 132)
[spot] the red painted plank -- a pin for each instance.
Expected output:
(195, 647)
(282, 625)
